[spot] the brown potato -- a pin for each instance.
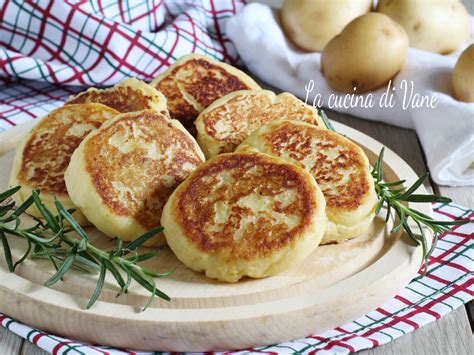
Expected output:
(439, 26)
(368, 52)
(311, 24)
(463, 76)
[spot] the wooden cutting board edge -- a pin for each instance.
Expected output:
(219, 328)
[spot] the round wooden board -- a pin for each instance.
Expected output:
(335, 285)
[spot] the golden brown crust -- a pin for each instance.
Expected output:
(254, 106)
(258, 193)
(129, 95)
(246, 111)
(124, 171)
(180, 109)
(193, 85)
(342, 176)
(122, 99)
(50, 145)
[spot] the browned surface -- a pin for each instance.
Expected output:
(301, 142)
(122, 99)
(49, 148)
(130, 182)
(242, 115)
(247, 174)
(194, 85)
(245, 113)
(179, 108)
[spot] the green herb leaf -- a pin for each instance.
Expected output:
(115, 273)
(8, 193)
(50, 220)
(326, 121)
(99, 287)
(379, 166)
(427, 198)
(142, 239)
(415, 186)
(394, 183)
(159, 275)
(71, 220)
(25, 255)
(6, 208)
(62, 270)
(22, 208)
(144, 256)
(7, 251)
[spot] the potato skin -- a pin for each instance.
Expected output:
(463, 76)
(368, 52)
(311, 24)
(439, 26)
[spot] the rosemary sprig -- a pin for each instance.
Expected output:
(393, 196)
(67, 245)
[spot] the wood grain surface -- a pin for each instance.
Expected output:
(203, 313)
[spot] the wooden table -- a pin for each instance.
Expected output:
(453, 334)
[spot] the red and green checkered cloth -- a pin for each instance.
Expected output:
(48, 49)
(101, 42)
(447, 285)
(52, 49)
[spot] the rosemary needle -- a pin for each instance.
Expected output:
(67, 245)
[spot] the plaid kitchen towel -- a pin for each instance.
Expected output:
(448, 284)
(101, 42)
(48, 49)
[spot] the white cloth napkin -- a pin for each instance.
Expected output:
(446, 132)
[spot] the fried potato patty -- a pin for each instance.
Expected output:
(339, 166)
(122, 174)
(194, 81)
(44, 154)
(228, 121)
(244, 214)
(128, 96)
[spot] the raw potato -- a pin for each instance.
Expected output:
(463, 76)
(439, 26)
(368, 52)
(311, 24)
